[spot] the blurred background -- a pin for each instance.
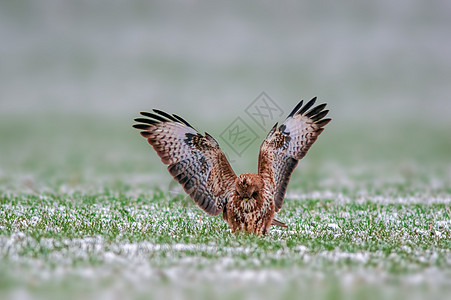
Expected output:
(74, 74)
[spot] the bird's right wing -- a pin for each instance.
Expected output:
(194, 160)
(286, 145)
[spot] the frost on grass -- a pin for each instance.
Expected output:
(131, 236)
(144, 261)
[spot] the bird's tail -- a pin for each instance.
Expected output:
(278, 223)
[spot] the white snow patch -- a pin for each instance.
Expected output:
(340, 198)
(333, 226)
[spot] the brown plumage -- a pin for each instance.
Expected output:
(249, 208)
(248, 202)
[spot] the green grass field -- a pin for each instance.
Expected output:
(88, 211)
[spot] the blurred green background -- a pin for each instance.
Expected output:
(74, 74)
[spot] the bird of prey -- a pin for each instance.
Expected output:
(249, 201)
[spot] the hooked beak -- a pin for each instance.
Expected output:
(246, 199)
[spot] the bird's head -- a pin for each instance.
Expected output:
(248, 186)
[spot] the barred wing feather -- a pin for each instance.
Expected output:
(287, 144)
(194, 160)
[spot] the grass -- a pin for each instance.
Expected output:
(93, 214)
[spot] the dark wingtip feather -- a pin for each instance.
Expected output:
(296, 108)
(166, 115)
(323, 122)
(145, 134)
(140, 126)
(182, 120)
(316, 110)
(161, 116)
(153, 116)
(147, 121)
(320, 115)
(307, 106)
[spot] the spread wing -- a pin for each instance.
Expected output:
(194, 160)
(287, 144)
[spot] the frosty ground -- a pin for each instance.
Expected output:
(153, 244)
(85, 227)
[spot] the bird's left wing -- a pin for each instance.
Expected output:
(287, 144)
(194, 160)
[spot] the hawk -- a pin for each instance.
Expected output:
(249, 201)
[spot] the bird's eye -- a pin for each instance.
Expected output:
(254, 195)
